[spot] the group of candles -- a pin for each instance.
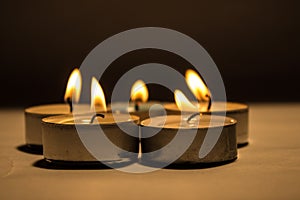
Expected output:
(53, 127)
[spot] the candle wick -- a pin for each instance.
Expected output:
(96, 115)
(192, 116)
(209, 102)
(69, 101)
(137, 105)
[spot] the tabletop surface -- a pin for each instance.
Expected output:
(268, 168)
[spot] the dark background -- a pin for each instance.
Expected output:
(254, 43)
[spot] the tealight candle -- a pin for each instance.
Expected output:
(61, 141)
(234, 110)
(197, 86)
(34, 115)
(166, 128)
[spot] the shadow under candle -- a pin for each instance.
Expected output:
(31, 149)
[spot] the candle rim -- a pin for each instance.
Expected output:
(241, 107)
(38, 109)
(56, 120)
(230, 122)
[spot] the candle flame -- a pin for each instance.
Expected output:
(139, 91)
(97, 95)
(197, 85)
(73, 88)
(183, 103)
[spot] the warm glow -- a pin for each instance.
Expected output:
(196, 85)
(183, 103)
(74, 86)
(97, 95)
(139, 91)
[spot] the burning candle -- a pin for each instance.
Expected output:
(158, 148)
(61, 141)
(234, 110)
(34, 115)
(139, 104)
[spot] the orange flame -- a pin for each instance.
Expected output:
(97, 95)
(196, 85)
(73, 88)
(183, 103)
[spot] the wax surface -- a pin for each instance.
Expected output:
(174, 121)
(216, 107)
(86, 119)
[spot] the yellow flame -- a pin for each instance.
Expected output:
(73, 88)
(97, 95)
(196, 85)
(183, 103)
(139, 91)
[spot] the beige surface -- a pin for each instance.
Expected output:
(269, 168)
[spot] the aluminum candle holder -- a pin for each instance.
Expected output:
(62, 143)
(33, 121)
(224, 150)
(237, 111)
(35, 114)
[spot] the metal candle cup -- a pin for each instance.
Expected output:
(35, 114)
(237, 111)
(62, 142)
(225, 148)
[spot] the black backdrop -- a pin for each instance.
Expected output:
(254, 43)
